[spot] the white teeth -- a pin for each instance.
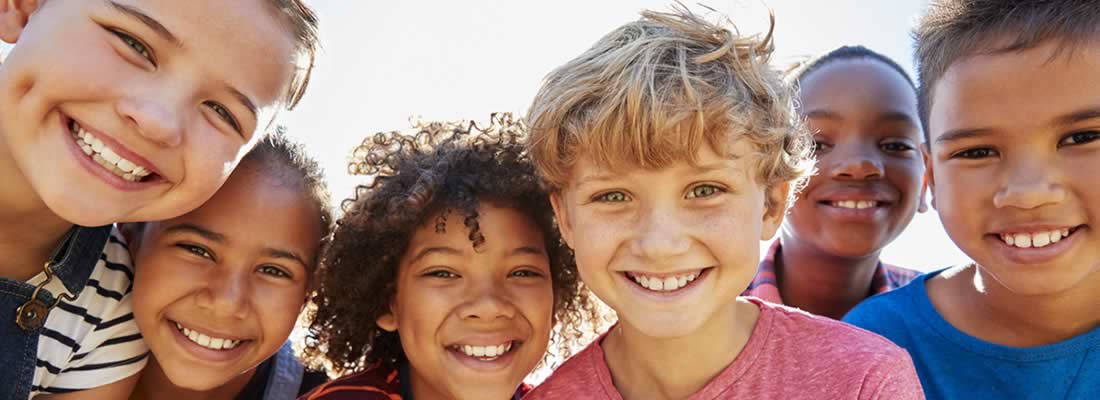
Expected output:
(107, 157)
(666, 284)
(1038, 239)
(207, 341)
(859, 205)
(487, 353)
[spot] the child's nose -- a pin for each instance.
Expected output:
(226, 296)
(156, 117)
(660, 235)
(1029, 185)
(860, 164)
(486, 302)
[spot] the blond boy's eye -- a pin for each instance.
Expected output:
(704, 191)
(611, 197)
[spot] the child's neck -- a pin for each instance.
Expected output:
(1012, 319)
(822, 283)
(154, 384)
(643, 367)
(29, 231)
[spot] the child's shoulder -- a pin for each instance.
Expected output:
(378, 382)
(810, 335)
(90, 339)
(584, 375)
(893, 310)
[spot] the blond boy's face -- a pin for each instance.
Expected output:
(1015, 149)
(133, 110)
(668, 249)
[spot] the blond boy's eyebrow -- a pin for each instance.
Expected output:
(431, 250)
(960, 134)
(198, 230)
(149, 21)
(1078, 116)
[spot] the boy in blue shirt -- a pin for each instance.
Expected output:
(1010, 96)
(117, 111)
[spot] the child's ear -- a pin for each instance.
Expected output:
(561, 214)
(13, 17)
(775, 208)
(928, 184)
(387, 321)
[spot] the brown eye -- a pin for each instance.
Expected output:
(273, 271)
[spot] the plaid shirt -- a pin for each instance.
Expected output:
(887, 277)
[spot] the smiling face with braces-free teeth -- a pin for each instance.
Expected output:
(88, 74)
(473, 322)
(1014, 175)
(218, 290)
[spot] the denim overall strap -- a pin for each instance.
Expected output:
(286, 375)
(22, 320)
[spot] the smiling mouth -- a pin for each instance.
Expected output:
(484, 353)
(854, 204)
(106, 157)
(1036, 239)
(666, 283)
(209, 342)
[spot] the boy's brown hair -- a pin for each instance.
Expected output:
(302, 22)
(653, 91)
(952, 30)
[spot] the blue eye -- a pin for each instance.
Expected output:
(273, 271)
(138, 47)
(611, 197)
(224, 114)
(704, 190)
(1079, 138)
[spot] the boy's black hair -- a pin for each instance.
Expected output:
(952, 30)
(853, 52)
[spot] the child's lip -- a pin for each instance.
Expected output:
(115, 146)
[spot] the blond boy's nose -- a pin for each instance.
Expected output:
(660, 235)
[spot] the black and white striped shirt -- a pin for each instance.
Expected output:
(93, 340)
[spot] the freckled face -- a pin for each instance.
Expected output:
(667, 249)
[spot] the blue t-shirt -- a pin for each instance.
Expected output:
(954, 365)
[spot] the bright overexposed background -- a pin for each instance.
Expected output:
(386, 61)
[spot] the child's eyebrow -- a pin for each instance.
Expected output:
(965, 133)
(285, 254)
(149, 21)
(1078, 116)
(429, 250)
(198, 230)
(528, 250)
(247, 102)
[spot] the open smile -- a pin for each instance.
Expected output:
(101, 154)
(208, 346)
(667, 284)
(485, 358)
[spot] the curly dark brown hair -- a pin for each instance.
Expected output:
(411, 176)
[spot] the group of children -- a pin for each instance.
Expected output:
(161, 237)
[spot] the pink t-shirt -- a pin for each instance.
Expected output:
(790, 355)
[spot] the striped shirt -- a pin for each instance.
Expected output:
(765, 285)
(93, 340)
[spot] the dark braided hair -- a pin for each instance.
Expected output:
(440, 167)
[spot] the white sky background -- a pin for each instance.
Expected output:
(385, 61)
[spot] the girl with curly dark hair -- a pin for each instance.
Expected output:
(446, 277)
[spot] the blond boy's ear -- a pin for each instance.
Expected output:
(13, 17)
(561, 214)
(929, 183)
(776, 197)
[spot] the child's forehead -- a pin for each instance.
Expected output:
(740, 156)
(243, 44)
